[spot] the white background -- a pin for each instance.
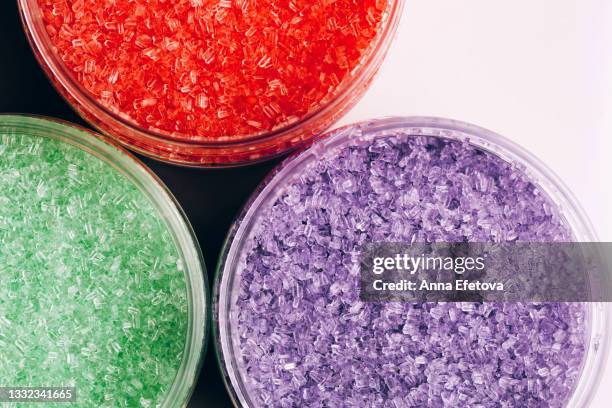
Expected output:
(536, 71)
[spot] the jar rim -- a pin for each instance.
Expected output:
(169, 210)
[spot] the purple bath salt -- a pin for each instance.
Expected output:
(302, 336)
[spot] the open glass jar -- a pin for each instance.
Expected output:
(201, 149)
(265, 245)
(108, 315)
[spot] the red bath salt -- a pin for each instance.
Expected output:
(202, 69)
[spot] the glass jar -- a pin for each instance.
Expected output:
(168, 210)
(209, 152)
(227, 279)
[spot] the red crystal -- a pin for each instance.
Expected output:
(212, 70)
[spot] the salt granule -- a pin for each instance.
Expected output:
(305, 339)
(211, 69)
(91, 295)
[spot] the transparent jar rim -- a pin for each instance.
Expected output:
(102, 148)
(599, 313)
(91, 110)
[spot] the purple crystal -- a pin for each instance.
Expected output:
(306, 340)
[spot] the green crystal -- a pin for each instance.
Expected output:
(92, 292)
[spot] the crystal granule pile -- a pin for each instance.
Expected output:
(92, 293)
(212, 68)
(303, 337)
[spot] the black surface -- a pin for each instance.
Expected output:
(211, 198)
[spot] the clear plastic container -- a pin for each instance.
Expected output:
(227, 274)
(209, 152)
(169, 210)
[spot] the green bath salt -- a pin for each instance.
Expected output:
(93, 293)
